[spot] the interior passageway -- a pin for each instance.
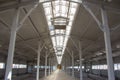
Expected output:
(61, 75)
(59, 39)
(58, 75)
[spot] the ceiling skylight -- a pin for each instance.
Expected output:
(60, 15)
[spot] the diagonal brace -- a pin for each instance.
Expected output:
(26, 16)
(94, 17)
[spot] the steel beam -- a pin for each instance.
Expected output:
(8, 73)
(33, 24)
(69, 52)
(26, 16)
(15, 4)
(94, 17)
(114, 7)
(108, 48)
(115, 27)
(74, 43)
(110, 6)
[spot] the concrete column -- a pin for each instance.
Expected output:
(111, 75)
(8, 73)
(46, 64)
(80, 57)
(72, 64)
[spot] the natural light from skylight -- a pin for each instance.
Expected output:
(60, 15)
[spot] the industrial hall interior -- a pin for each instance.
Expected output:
(59, 39)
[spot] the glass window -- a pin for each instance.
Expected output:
(105, 67)
(2, 65)
(115, 66)
(83, 67)
(19, 66)
(119, 66)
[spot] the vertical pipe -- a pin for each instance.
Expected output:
(80, 57)
(38, 62)
(72, 64)
(8, 73)
(111, 75)
(46, 64)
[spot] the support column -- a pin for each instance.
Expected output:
(85, 67)
(38, 63)
(111, 75)
(99, 67)
(90, 66)
(65, 64)
(46, 64)
(72, 64)
(38, 59)
(70, 71)
(78, 66)
(8, 73)
(80, 57)
(49, 65)
(27, 62)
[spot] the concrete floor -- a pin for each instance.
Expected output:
(60, 75)
(56, 75)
